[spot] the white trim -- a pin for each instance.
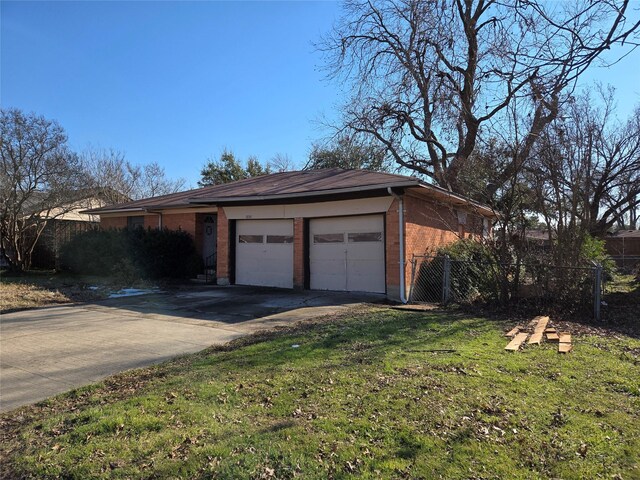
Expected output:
(339, 208)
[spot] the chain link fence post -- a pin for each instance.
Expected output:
(597, 293)
(446, 279)
(414, 261)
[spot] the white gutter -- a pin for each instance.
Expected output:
(156, 212)
(401, 241)
(100, 211)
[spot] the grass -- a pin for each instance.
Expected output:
(41, 288)
(622, 284)
(20, 296)
(381, 393)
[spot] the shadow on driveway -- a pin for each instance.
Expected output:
(48, 351)
(235, 304)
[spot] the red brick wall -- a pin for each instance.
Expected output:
(151, 221)
(107, 223)
(222, 269)
(180, 221)
(298, 253)
(427, 226)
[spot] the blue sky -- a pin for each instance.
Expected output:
(179, 82)
(175, 83)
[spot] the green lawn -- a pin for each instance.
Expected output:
(377, 394)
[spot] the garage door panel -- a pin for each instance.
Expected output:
(264, 253)
(347, 253)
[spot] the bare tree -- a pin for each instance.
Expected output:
(111, 175)
(427, 75)
(40, 180)
(281, 162)
(154, 182)
(586, 170)
(619, 154)
(115, 179)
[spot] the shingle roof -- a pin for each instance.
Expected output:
(626, 234)
(306, 182)
(276, 186)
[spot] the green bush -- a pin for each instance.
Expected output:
(132, 254)
(472, 274)
(593, 249)
(473, 270)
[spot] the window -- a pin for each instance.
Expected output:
(328, 238)
(279, 239)
(250, 239)
(365, 237)
(135, 222)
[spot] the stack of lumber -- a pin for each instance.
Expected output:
(535, 332)
(564, 345)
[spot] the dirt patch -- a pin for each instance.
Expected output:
(21, 296)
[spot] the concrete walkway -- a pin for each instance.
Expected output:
(48, 351)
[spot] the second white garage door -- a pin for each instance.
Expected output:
(264, 253)
(347, 253)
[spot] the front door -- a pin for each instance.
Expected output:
(209, 241)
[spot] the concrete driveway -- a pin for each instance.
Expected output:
(48, 351)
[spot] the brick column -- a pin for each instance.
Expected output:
(298, 253)
(222, 267)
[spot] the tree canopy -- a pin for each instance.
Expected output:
(348, 152)
(229, 169)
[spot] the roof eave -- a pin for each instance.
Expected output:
(455, 199)
(309, 194)
(99, 211)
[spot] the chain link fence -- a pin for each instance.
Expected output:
(439, 279)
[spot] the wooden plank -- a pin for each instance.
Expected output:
(564, 347)
(553, 337)
(538, 331)
(512, 333)
(516, 342)
(542, 324)
(550, 330)
(536, 338)
(565, 337)
(564, 344)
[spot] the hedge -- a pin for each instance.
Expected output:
(132, 254)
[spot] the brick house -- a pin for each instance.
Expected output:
(332, 229)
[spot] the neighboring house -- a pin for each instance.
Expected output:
(334, 229)
(624, 247)
(541, 237)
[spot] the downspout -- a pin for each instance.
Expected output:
(401, 241)
(159, 217)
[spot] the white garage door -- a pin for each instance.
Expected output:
(347, 253)
(264, 253)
